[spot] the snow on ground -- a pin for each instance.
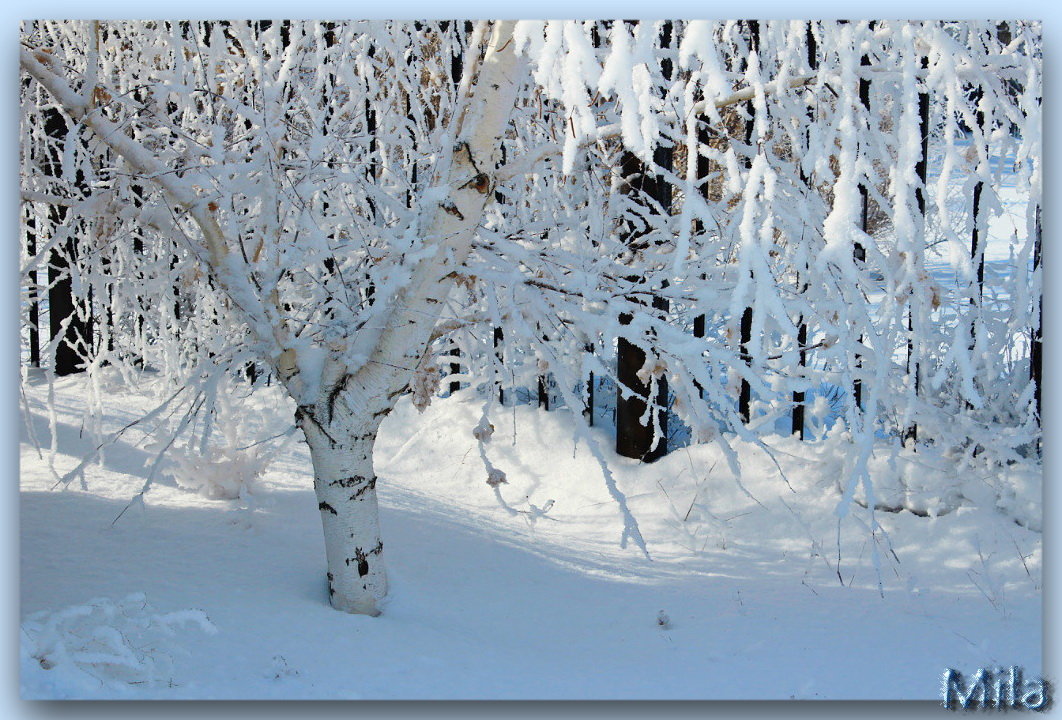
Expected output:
(523, 593)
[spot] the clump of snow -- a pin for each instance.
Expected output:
(103, 643)
(496, 477)
(226, 467)
(484, 430)
(226, 473)
(1021, 495)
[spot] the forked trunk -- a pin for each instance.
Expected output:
(345, 484)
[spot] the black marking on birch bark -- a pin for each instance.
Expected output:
(385, 412)
(305, 412)
(396, 393)
(363, 563)
(433, 301)
(331, 590)
(452, 209)
(468, 151)
(370, 484)
(322, 506)
(462, 145)
(333, 395)
(347, 482)
(362, 558)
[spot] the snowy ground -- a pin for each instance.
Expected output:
(521, 594)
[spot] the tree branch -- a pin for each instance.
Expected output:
(41, 66)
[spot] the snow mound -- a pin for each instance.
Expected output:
(220, 474)
(103, 643)
(228, 462)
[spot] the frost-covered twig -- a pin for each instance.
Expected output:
(91, 457)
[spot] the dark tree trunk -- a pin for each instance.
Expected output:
(745, 393)
(499, 337)
(921, 170)
(67, 320)
(799, 399)
(1036, 352)
(33, 318)
(633, 439)
(370, 129)
(455, 368)
(542, 385)
(32, 294)
(977, 255)
(588, 411)
(411, 161)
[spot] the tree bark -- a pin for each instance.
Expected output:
(345, 485)
(1036, 352)
(910, 435)
(66, 320)
(30, 230)
(633, 439)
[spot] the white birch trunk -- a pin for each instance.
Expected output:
(345, 484)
